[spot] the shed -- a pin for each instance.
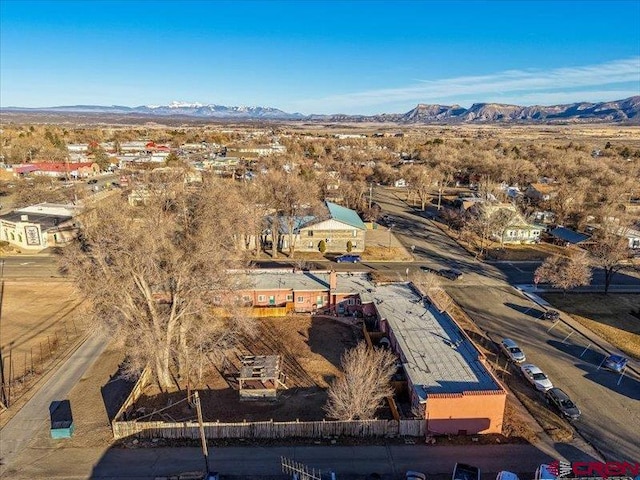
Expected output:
(260, 377)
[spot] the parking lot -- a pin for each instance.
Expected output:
(609, 402)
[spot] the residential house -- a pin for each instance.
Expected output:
(516, 230)
(401, 183)
(339, 228)
(541, 192)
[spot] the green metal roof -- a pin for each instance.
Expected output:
(345, 215)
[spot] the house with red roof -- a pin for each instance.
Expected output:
(62, 169)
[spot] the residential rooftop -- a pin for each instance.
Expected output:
(438, 358)
(287, 279)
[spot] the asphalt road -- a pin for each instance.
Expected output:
(348, 462)
(29, 266)
(611, 412)
(34, 415)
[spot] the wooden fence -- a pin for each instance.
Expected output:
(272, 430)
(135, 393)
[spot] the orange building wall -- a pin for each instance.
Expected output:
(468, 412)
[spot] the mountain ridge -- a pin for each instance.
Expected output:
(627, 109)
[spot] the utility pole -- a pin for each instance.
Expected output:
(203, 440)
(4, 399)
(370, 193)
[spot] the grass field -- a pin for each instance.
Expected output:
(609, 316)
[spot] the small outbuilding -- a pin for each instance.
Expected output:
(260, 377)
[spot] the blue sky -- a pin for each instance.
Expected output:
(318, 57)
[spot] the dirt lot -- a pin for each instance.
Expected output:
(40, 321)
(609, 316)
(310, 350)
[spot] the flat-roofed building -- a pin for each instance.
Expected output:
(447, 375)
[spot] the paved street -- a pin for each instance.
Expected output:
(264, 462)
(34, 416)
(610, 408)
(611, 412)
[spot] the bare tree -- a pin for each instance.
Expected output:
(292, 198)
(610, 252)
(421, 182)
(564, 272)
(365, 383)
(152, 273)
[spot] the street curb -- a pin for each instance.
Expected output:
(543, 303)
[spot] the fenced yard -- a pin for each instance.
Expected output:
(310, 350)
(272, 430)
(41, 321)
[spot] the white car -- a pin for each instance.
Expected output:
(513, 351)
(536, 377)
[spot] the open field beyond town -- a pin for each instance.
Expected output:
(609, 316)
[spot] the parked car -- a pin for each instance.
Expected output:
(512, 350)
(551, 315)
(561, 401)
(348, 258)
(536, 377)
(616, 363)
(504, 475)
(411, 475)
(450, 273)
(543, 472)
(462, 471)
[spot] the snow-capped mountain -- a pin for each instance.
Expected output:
(627, 110)
(190, 109)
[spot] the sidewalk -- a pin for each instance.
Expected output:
(531, 292)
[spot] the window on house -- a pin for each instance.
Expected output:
(350, 301)
(355, 233)
(310, 233)
(262, 298)
(300, 299)
(290, 297)
(310, 244)
(246, 298)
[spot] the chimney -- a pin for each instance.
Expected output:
(24, 218)
(333, 281)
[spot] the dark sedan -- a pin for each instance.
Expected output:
(561, 402)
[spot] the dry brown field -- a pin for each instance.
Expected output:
(40, 321)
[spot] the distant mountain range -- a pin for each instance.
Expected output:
(615, 111)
